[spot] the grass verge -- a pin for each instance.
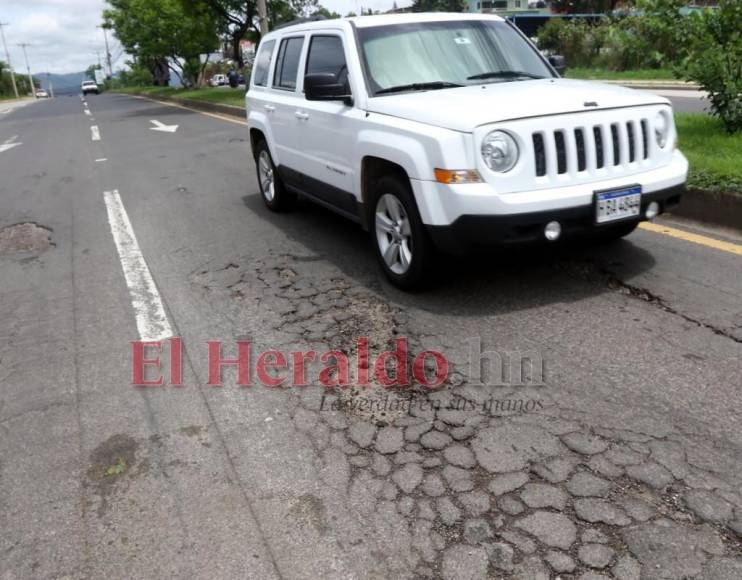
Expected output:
(625, 75)
(714, 155)
(223, 95)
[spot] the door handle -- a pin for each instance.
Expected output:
(269, 108)
(300, 115)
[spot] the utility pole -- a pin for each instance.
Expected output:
(23, 45)
(108, 52)
(263, 18)
(7, 58)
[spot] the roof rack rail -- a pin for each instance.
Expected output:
(314, 18)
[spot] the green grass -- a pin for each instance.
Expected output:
(714, 155)
(224, 95)
(626, 75)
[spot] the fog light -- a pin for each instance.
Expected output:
(552, 231)
(653, 209)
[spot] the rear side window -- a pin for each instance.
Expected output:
(326, 55)
(287, 63)
(263, 63)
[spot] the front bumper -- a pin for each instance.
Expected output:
(486, 230)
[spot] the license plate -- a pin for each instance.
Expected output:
(617, 204)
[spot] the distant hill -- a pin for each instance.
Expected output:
(63, 84)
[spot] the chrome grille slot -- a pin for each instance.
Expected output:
(616, 144)
(561, 151)
(598, 136)
(539, 154)
(632, 144)
(581, 154)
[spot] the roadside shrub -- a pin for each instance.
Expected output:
(577, 40)
(138, 76)
(714, 60)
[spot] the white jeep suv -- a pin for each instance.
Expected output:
(449, 131)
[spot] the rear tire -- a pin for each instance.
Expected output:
(272, 189)
(402, 245)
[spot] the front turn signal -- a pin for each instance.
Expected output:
(457, 176)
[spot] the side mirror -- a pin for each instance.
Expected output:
(325, 87)
(559, 63)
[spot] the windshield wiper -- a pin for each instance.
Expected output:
(504, 74)
(433, 85)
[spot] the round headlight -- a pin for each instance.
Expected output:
(499, 151)
(661, 129)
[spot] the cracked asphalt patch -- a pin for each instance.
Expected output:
(521, 494)
(26, 238)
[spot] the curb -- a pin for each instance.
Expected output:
(717, 209)
(222, 109)
(654, 85)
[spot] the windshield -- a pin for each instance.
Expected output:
(436, 55)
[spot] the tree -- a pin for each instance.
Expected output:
(237, 18)
(90, 71)
(714, 60)
(587, 6)
(438, 6)
(160, 34)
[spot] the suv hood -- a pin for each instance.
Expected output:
(464, 108)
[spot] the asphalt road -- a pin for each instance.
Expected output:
(687, 101)
(621, 457)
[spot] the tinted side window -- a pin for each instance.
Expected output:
(326, 55)
(262, 63)
(287, 64)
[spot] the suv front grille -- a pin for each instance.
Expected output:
(572, 150)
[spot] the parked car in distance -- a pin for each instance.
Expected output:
(41, 94)
(218, 80)
(90, 87)
(451, 131)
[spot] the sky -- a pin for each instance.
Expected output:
(64, 37)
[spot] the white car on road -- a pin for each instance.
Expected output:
(89, 87)
(450, 131)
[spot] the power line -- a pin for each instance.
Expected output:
(7, 58)
(23, 45)
(108, 52)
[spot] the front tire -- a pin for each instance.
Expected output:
(272, 189)
(402, 245)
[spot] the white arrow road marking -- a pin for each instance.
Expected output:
(162, 127)
(152, 321)
(8, 144)
(95, 133)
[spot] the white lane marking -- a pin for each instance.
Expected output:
(95, 133)
(8, 144)
(158, 126)
(152, 321)
(101, 159)
(87, 112)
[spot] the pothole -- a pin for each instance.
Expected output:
(25, 238)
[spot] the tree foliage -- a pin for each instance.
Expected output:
(239, 18)
(438, 6)
(713, 42)
(160, 33)
(586, 6)
(6, 85)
